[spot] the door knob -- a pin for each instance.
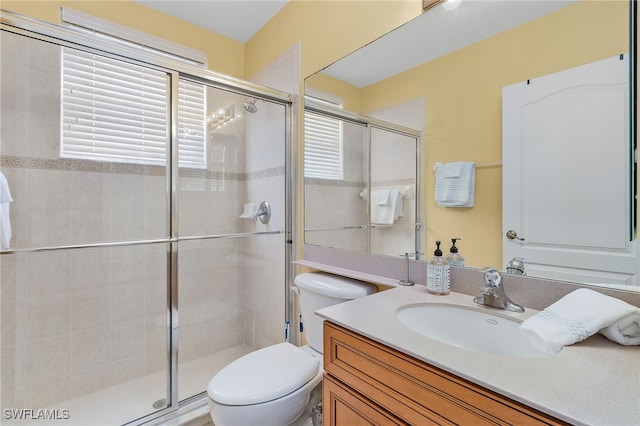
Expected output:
(513, 235)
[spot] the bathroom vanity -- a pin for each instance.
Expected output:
(377, 371)
(365, 381)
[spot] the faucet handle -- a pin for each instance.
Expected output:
(492, 277)
(263, 213)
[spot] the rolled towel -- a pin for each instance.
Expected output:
(578, 315)
(626, 331)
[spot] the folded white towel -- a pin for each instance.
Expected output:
(5, 220)
(453, 169)
(455, 184)
(383, 197)
(578, 315)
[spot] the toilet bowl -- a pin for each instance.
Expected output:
(272, 386)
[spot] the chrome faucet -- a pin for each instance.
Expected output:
(516, 266)
(493, 292)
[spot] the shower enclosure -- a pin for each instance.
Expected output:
(131, 278)
(374, 157)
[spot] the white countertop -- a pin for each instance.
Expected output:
(594, 382)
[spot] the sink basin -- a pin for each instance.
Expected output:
(469, 329)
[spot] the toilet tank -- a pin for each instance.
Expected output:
(319, 290)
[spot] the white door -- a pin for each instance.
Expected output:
(566, 178)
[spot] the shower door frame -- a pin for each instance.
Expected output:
(174, 70)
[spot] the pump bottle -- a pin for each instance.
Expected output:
(438, 273)
(454, 257)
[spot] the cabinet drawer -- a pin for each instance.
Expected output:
(414, 391)
(342, 407)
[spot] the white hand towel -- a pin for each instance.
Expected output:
(397, 201)
(578, 315)
(389, 213)
(5, 220)
(383, 197)
(455, 189)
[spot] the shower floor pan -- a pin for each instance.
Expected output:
(134, 399)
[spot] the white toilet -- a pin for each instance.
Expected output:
(271, 386)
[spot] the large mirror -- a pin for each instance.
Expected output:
(454, 64)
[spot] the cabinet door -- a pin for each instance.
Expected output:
(415, 392)
(342, 407)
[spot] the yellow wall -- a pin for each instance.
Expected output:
(225, 55)
(464, 109)
(351, 95)
(326, 29)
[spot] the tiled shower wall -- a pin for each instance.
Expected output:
(78, 320)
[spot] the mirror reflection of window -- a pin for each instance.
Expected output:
(322, 147)
(323, 140)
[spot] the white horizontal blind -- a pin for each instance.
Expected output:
(116, 111)
(112, 110)
(322, 147)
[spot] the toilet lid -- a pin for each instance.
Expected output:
(263, 375)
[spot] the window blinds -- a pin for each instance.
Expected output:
(116, 111)
(322, 146)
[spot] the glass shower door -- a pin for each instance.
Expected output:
(84, 277)
(231, 266)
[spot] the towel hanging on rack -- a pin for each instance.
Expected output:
(387, 214)
(383, 197)
(455, 184)
(5, 220)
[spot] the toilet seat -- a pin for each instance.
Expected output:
(263, 375)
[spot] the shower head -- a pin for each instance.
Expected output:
(250, 106)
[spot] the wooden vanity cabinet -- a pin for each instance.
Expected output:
(367, 383)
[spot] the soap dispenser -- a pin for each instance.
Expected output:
(454, 257)
(438, 273)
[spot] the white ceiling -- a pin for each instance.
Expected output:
(236, 19)
(437, 33)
